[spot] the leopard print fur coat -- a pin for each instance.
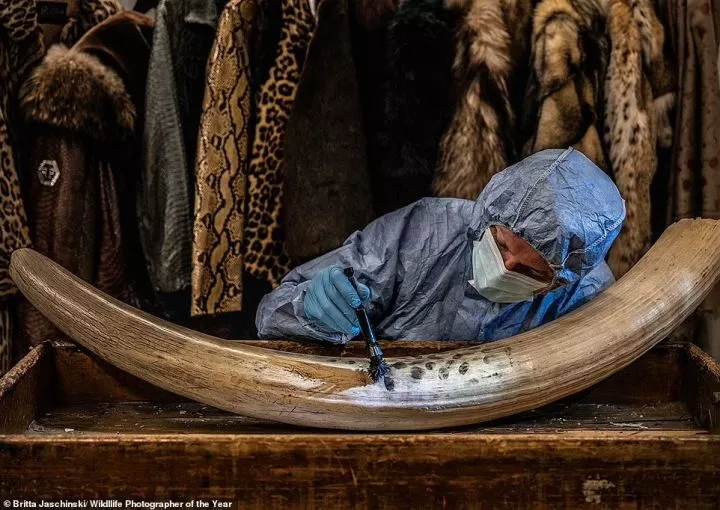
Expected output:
(265, 254)
(21, 47)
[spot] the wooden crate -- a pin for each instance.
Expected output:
(72, 426)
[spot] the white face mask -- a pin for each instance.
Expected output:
(493, 280)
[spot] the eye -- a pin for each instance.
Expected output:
(531, 272)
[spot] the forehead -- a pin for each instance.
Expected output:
(503, 233)
(518, 245)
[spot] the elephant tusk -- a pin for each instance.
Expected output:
(460, 387)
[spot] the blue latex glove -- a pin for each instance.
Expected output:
(330, 301)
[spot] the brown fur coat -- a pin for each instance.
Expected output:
(327, 190)
(563, 104)
(21, 49)
(490, 44)
(599, 67)
(81, 108)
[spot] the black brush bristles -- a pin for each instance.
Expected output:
(378, 368)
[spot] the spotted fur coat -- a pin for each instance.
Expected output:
(638, 98)
(21, 47)
(265, 254)
(601, 82)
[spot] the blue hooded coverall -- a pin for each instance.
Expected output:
(417, 260)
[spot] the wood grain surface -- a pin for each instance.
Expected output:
(632, 442)
(701, 387)
(24, 390)
(306, 471)
(458, 387)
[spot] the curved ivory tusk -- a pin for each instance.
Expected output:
(459, 387)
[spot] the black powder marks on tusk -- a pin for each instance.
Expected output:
(464, 368)
(399, 365)
(474, 380)
(417, 373)
(429, 365)
(443, 373)
(389, 383)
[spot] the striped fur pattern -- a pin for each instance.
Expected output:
(478, 142)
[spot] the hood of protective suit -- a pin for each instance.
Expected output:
(417, 260)
(566, 208)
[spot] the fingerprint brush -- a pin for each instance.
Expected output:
(378, 366)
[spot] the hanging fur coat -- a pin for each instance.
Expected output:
(418, 102)
(81, 107)
(265, 254)
(327, 189)
(692, 188)
(564, 97)
(638, 98)
(491, 44)
(21, 48)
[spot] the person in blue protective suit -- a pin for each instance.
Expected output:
(530, 249)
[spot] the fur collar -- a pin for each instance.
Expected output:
(75, 91)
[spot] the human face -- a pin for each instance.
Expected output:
(519, 256)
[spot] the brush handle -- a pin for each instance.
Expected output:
(374, 350)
